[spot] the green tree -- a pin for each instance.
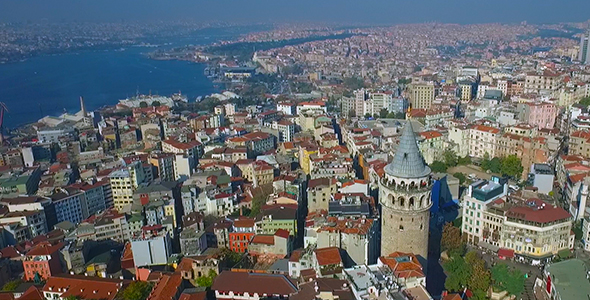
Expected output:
(400, 115)
(451, 238)
(438, 166)
(479, 295)
(143, 104)
(367, 115)
(72, 297)
(464, 160)
(137, 290)
(261, 194)
(391, 115)
(402, 81)
(585, 101)
(480, 275)
(230, 258)
(495, 165)
(156, 103)
(507, 279)
(12, 285)
(207, 280)
(383, 113)
(461, 177)
(485, 162)
(450, 158)
(458, 273)
(354, 83)
(512, 166)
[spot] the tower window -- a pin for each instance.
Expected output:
(401, 228)
(421, 226)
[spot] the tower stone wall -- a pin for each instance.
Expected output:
(405, 215)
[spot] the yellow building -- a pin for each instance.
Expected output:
(124, 182)
(421, 95)
(466, 92)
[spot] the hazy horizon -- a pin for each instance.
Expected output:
(341, 11)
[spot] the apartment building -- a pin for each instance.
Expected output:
(539, 114)
(579, 143)
(319, 193)
(242, 231)
(42, 259)
(538, 83)
(432, 145)
(459, 139)
(164, 165)
(421, 95)
(33, 220)
(483, 139)
(193, 149)
(479, 194)
(107, 225)
(70, 205)
(124, 182)
(537, 230)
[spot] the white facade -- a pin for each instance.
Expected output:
(151, 251)
(183, 166)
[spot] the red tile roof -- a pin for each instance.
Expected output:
(84, 287)
(282, 233)
(403, 265)
(538, 211)
(44, 248)
(244, 222)
(186, 265)
(430, 134)
(193, 296)
(263, 239)
(486, 129)
(452, 297)
(10, 252)
(328, 256)
(166, 288)
(32, 293)
(323, 182)
(260, 283)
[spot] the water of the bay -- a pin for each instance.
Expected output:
(46, 85)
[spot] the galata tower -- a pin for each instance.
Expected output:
(404, 194)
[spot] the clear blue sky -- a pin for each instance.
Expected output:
(365, 11)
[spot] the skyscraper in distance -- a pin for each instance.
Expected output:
(584, 55)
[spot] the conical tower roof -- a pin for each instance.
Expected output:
(408, 161)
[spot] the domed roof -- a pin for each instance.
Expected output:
(408, 161)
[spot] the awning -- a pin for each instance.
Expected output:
(507, 253)
(488, 246)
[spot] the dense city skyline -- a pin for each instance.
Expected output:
(302, 150)
(373, 11)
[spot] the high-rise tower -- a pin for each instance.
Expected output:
(584, 55)
(83, 107)
(404, 194)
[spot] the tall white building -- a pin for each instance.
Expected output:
(584, 55)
